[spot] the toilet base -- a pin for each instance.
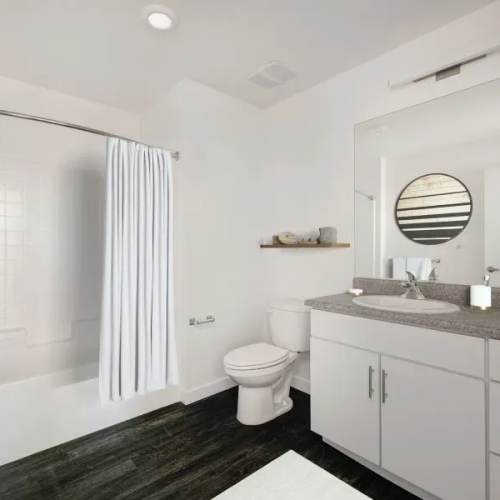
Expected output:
(264, 394)
(283, 407)
(256, 405)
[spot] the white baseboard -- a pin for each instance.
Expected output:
(301, 384)
(206, 390)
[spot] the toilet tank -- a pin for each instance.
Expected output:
(290, 324)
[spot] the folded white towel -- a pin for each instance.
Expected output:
(399, 268)
(421, 267)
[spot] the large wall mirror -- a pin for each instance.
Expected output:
(427, 189)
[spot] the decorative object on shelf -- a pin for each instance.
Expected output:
(327, 234)
(288, 238)
(306, 239)
(309, 237)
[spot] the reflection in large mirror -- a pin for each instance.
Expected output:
(433, 209)
(427, 189)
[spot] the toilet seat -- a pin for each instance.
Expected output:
(255, 357)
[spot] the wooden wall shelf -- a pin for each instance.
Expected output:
(303, 245)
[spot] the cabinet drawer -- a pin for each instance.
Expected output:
(495, 359)
(495, 417)
(494, 477)
(458, 353)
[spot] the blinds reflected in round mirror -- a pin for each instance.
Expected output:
(433, 209)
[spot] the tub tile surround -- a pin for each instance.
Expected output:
(483, 324)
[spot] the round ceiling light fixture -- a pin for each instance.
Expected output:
(160, 17)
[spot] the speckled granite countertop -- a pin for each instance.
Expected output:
(483, 324)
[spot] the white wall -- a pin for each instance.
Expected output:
(217, 207)
(50, 345)
(370, 220)
(309, 167)
(491, 211)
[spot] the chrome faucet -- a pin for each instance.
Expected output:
(413, 291)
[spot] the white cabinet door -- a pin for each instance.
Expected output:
(345, 397)
(433, 428)
(495, 418)
(495, 360)
(494, 477)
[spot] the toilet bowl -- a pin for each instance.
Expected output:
(264, 371)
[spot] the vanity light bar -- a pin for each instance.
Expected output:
(442, 72)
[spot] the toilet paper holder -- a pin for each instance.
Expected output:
(195, 322)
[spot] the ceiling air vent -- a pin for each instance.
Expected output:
(271, 75)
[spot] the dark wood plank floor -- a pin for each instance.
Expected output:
(180, 452)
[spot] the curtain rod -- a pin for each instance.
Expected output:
(74, 126)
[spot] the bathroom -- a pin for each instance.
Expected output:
(253, 162)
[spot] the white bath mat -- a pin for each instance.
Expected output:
(291, 477)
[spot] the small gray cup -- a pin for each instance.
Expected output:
(327, 235)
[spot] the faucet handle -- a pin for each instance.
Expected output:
(411, 277)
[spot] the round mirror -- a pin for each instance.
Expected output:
(433, 209)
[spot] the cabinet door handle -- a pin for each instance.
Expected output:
(370, 381)
(384, 393)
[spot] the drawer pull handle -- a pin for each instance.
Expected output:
(370, 381)
(384, 380)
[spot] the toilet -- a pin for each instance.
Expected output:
(264, 371)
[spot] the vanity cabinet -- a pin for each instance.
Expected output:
(345, 406)
(424, 423)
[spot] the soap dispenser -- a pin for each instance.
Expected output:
(480, 295)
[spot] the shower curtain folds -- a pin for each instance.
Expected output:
(137, 351)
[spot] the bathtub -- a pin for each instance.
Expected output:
(49, 394)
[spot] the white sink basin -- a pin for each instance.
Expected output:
(400, 304)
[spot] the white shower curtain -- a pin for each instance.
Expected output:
(138, 352)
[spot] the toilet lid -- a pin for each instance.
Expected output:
(254, 356)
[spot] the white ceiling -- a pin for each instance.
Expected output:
(103, 50)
